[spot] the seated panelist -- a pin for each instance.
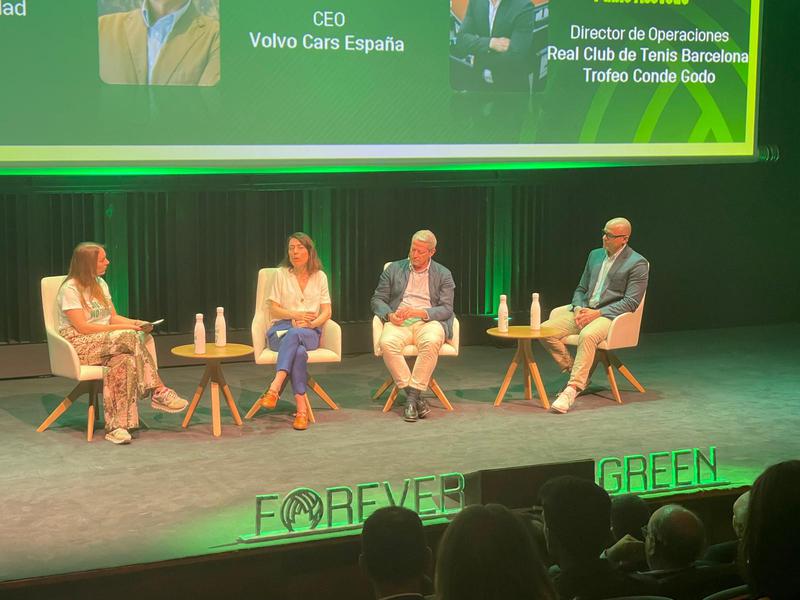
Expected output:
(300, 304)
(613, 282)
(87, 320)
(414, 299)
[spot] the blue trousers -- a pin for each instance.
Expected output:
(292, 348)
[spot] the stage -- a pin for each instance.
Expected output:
(69, 505)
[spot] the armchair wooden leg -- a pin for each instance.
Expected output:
(439, 394)
(310, 410)
(625, 372)
(388, 406)
(94, 409)
(384, 386)
(612, 380)
(312, 383)
(253, 409)
(80, 389)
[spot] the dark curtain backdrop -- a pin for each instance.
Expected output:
(722, 240)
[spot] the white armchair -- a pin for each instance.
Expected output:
(330, 344)
(624, 333)
(449, 348)
(64, 361)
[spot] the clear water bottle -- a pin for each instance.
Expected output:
(502, 315)
(536, 312)
(220, 335)
(199, 334)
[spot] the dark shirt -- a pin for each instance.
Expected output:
(696, 581)
(724, 553)
(597, 579)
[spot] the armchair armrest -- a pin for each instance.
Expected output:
(331, 337)
(63, 358)
(624, 331)
(258, 331)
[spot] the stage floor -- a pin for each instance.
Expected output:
(69, 505)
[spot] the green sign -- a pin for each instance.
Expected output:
(659, 471)
(305, 511)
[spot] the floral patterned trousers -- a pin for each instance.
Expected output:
(129, 374)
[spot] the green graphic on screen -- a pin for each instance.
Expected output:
(350, 82)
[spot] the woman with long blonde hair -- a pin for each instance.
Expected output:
(300, 303)
(88, 320)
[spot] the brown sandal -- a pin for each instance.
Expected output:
(269, 399)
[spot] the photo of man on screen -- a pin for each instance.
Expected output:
(495, 38)
(159, 42)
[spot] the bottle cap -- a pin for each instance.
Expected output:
(220, 309)
(198, 316)
(502, 296)
(535, 295)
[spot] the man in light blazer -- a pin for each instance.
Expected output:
(613, 282)
(162, 42)
(414, 299)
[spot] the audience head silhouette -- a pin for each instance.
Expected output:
(577, 518)
(675, 538)
(771, 543)
(488, 553)
(629, 513)
(394, 554)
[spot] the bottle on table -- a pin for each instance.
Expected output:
(502, 315)
(199, 334)
(536, 312)
(220, 334)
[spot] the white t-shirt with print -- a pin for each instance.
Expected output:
(69, 298)
(286, 292)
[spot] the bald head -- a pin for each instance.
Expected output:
(740, 513)
(619, 225)
(675, 538)
(616, 234)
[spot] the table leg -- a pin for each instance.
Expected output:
(526, 376)
(226, 390)
(216, 425)
(509, 374)
(196, 398)
(537, 378)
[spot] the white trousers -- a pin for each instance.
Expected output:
(428, 337)
(588, 339)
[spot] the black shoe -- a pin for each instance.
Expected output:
(422, 408)
(410, 412)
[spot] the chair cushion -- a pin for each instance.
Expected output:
(91, 373)
(320, 355)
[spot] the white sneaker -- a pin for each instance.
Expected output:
(565, 400)
(119, 436)
(168, 401)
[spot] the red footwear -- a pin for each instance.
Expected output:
(300, 421)
(269, 399)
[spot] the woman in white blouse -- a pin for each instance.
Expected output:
(299, 305)
(88, 320)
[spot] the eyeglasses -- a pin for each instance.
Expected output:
(610, 236)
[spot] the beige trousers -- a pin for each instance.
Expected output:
(588, 339)
(428, 337)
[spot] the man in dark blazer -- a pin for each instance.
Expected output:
(613, 282)
(499, 34)
(414, 299)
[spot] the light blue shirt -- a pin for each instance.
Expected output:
(158, 33)
(594, 300)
